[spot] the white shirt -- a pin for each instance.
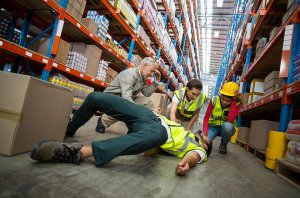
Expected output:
(186, 102)
(200, 152)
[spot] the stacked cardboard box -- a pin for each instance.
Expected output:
(41, 46)
(31, 110)
(136, 60)
(159, 100)
(102, 69)
(92, 53)
(144, 37)
(270, 82)
(259, 133)
(110, 75)
(90, 24)
(77, 61)
(260, 47)
(75, 8)
(256, 90)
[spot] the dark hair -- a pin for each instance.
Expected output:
(194, 83)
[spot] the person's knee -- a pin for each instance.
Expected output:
(92, 97)
(228, 128)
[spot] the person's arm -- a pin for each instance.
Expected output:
(188, 161)
(233, 112)
(193, 119)
(206, 118)
(149, 90)
(173, 108)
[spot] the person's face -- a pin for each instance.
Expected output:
(192, 94)
(226, 101)
(148, 70)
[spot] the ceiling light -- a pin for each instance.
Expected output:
(216, 34)
(212, 76)
(220, 3)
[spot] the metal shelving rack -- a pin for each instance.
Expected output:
(57, 30)
(281, 103)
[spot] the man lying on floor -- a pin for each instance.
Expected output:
(146, 130)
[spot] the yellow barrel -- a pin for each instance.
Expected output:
(234, 137)
(276, 148)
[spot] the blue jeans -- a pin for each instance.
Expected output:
(225, 131)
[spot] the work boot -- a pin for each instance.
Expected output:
(100, 128)
(223, 148)
(51, 151)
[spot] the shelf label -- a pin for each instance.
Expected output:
(78, 25)
(91, 35)
(1, 43)
(67, 69)
(28, 54)
(280, 93)
(45, 60)
(54, 64)
(93, 79)
(271, 97)
(262, 101)
(289, 90)
(81, 75)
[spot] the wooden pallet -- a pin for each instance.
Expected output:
(288, 171)
(242, 144)
(260, 155)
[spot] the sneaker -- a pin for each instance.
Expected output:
(100, 128)
(51, 151)
(223, 148)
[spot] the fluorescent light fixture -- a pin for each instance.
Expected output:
(220, 3)
(216, 34)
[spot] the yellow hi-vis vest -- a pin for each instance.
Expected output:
(182, 141)
(218, 115)
(196, 105)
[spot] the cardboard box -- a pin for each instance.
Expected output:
(90, 24)
(269, 91)
(257, 85)
(75, 8)
(271, 83)
(243, 134)
(281, 83)
(41, 46)
(253, 97)
(259, 133)
(159, 100)
(31, 110)
(245, 98)
(92, 53)
(272, 75)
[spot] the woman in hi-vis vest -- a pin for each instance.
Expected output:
(221, 114)
(186, 104)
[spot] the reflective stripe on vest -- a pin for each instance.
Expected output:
(182, 141)
(196, 105)
(218, 115)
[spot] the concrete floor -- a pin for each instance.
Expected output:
(237, 174)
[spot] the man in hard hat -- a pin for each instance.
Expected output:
(221, 114)
(146, 130)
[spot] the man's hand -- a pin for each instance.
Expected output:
(182, 168)
(157, 75)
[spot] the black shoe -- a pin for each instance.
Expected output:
(223, 148)
(70, 132)
(100, 128)
(51, 151)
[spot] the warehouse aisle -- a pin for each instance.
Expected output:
(237, 174)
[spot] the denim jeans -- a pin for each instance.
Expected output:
(225, 131)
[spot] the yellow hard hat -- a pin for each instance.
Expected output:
(229, 89)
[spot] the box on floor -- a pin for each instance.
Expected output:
(259, 133)
(243, 134)
(31, 110)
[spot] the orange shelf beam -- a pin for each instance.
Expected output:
(24, 52)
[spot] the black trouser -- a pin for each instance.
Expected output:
(144, 129)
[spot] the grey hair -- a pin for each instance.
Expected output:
(148, 61)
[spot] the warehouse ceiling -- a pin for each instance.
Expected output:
(214, 20)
